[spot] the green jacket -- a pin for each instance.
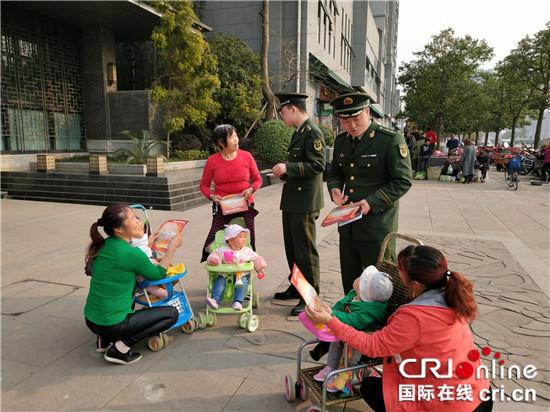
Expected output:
(378, 171)
(113, 279)
(358, 314)
(306, 161)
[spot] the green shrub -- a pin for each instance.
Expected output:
(328, 134)
(272, 140)
(192, 154)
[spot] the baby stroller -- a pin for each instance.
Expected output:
(175, 298)
(304, 377)
(247, 320)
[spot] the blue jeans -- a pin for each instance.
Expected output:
(219, 287)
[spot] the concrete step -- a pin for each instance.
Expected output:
(176, 193)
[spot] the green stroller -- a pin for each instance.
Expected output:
(247, 320)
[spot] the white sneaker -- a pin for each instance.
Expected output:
(320, 377)
(237, 306)
(212, 303)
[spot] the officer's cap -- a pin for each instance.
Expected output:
(290, 98)
(350, 105)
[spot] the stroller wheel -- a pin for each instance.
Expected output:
(165, 339)
(211, 319)
(314, 408)
(201, 320)
(255, 300)
(253, 323)
(189, 326)
(290, 388)
(155, 343)
(243, 319)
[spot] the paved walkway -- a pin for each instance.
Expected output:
(497, 237)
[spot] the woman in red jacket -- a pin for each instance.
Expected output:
(233, 171)
(432, 328)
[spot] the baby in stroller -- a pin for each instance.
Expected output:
(145, 243)
(234, 250)
(363, 307)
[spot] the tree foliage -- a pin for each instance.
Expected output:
(516, 93)
(533, 63)
(189, 78)
(438, 84)
(239, 72)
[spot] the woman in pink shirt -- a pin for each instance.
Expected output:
(432, 328)
(233, 171)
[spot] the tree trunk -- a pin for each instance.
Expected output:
(486, 138)
(539, 128)
(513, 137)
(497, 132)
(266, 88)
(477, 138)
(168, 145)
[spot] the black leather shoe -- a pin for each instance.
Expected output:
(299, 308)
(290, 293)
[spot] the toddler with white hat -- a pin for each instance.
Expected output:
(235, 250)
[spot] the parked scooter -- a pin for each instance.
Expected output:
(528, 161)
(537, 170)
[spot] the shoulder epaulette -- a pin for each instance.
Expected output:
(386, 130)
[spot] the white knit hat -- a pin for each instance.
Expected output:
(232, 231)
(375, 286)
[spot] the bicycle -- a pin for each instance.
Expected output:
(511, 172)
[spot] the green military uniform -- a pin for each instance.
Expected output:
(376, 170)
(302, 196)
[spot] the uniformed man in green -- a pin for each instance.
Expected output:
(302, 195)
(370, 168)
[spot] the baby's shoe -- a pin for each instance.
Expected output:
(213, 303)
(238, 283)
(237, 306)
(320, 377)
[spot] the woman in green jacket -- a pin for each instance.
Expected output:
(113, 265)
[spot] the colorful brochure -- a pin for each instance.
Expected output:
(166, 232)
(302, 285)
(346, 213)
(233, 203)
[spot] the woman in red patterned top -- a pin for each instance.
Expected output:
(233, 171)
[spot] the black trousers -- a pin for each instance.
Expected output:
(372, 393)
(138, 325)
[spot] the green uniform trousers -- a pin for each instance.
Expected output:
(299, 233)
(355, 256)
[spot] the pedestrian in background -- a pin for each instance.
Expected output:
(468, 160)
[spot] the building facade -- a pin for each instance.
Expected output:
(322, 48)
(59, 78)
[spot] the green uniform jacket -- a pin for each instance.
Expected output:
(113, 279)
(303, 186)
(358, 314)
(377, 171)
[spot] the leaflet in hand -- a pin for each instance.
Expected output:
(166, 232)
(233, 203)
(344, 214)
(304, 288)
